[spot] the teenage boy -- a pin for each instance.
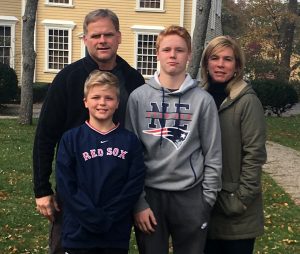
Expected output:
(178, 125)
(99, 175)
(63, 108)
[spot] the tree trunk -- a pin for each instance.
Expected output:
(28, 53)
(199, 35)
(287, 32)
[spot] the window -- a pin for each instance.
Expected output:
(58, 49)
(58, 44)
(60, 2)
(7, 40)
(150, 5)
(145, 52)
(5, 44)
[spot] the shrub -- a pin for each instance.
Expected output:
(296, 85)
(39, 91)
(275, 96)
(8, 83)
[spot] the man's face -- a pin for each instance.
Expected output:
(173, 55)
(102, 42)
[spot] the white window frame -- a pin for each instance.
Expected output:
(70, 4)
(161, 9)
(11, 22)
(61, 25)
(142, 30)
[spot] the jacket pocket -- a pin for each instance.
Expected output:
(229, 202)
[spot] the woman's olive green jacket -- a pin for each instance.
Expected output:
(238, 212)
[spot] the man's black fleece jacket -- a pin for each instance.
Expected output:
(64, 109)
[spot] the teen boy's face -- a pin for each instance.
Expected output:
(102, 102)
(102, 41)
(173, 55)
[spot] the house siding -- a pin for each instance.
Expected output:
(126, 10)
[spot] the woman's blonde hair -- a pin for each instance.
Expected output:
(216, 45)
(101, 78)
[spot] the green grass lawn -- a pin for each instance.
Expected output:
(23, 230)
(285, 130)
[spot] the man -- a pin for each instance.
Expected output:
(64, 109)
(177, 122)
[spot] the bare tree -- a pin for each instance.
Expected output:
(287, 31)
(199, 35)
(29, 55)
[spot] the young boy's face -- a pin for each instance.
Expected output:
(102, 102)
(173, 55)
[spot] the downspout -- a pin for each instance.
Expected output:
(194, 9)
(181, 21)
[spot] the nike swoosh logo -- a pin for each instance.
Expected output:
(102, 142)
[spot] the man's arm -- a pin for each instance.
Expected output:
(49, 130)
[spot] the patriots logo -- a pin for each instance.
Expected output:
(174, 134)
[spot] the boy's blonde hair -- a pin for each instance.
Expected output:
(101, 78)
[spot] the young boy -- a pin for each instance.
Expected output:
(177, 123)
(99, 174)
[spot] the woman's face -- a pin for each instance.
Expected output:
(222, 65)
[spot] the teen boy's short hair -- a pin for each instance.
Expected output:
(101, 78)
(175, 30)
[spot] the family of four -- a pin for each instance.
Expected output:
(179, 161)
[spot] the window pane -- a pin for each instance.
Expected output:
(5, 44)
(146, 54)
(153, 4)
(58, 48)
(59, 1)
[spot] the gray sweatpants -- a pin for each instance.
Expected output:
(181, 215)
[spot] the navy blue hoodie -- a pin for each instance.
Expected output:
(99, 178)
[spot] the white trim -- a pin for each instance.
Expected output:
(182, 3)
(148, 29)
(82, 45)
(9, 19)
(57, 24)
(11, 22)
(193, 21)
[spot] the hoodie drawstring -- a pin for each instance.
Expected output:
(163, 116)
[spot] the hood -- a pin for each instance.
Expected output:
(187, 84)
(237, 91)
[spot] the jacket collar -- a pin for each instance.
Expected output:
(237, 91)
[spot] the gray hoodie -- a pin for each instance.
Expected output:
(181, 137)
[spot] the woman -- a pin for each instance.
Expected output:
(237, 218)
